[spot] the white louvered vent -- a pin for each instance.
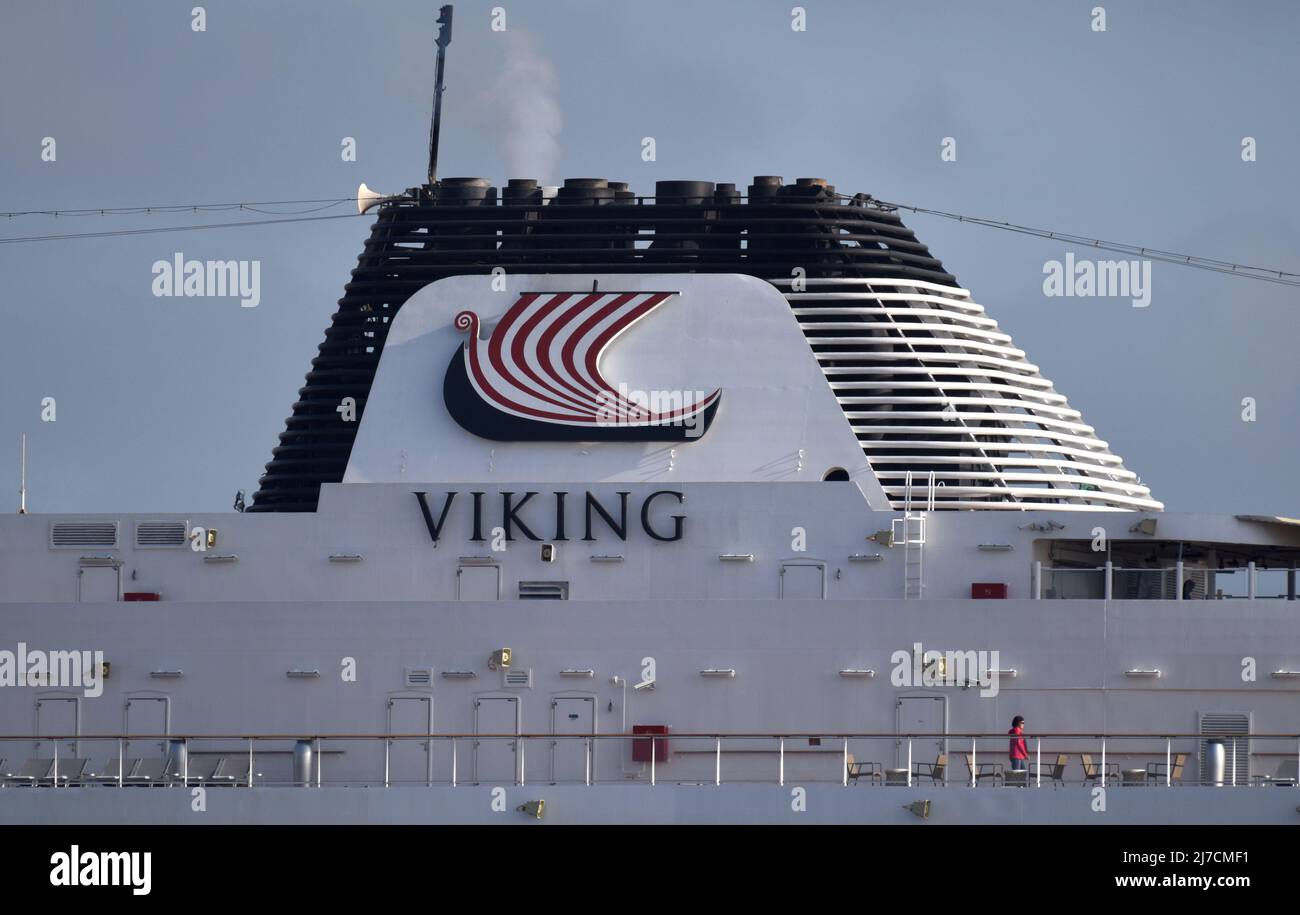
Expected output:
(517, 678)
(161, 534)
(419, 676)
(543, 590)
(1235, 727)
(929, 382)
(78, 534)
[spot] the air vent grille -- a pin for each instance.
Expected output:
(543, 590)
(419, 676)
(517, 678)
(161, 534)
(77, 534)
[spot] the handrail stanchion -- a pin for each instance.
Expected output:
(973, 781)
(318, 762)
(781, 751)
(185, 767)
(519, 741)
(589, 746)
(717, 762)
(1233, 783)
(121, 759)
(56, 762)
(453, 762)
(250, 762)
(1169, 742)
(909, 762)
(844, 773)
(654, 751)
(1038, 751)
(1103, 762)
(388, 746)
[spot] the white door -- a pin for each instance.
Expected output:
(478, 583)
(147, 715)
(495, 759)
(572, 756)
(410, 760)
(98, 583)
(58, 716)
(803, 580)
(922, 715)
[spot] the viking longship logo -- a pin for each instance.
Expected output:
(537, 376)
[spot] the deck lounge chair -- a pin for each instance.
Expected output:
(148, 772)
(231, 773)
(31, 772)
(70, 772)
(935, 771)
(871, 771)
(107, 773)
(1092, 771)
(1156, 770)
(1055, 771)
(985, 771)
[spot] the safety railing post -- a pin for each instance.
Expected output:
(185, 766)
(1038, 579)
(520, 742)
(1103, 762)
(388, 748)
(1109, 567)
(250, 762)
(1233, 783)
(121, 760)
(654, 751)
(781, 752)
(56, 761)
(453, 762)
(1038, 763)
(318, 761)
(844, 764)
(909, 762)
(589, 746)
(1169, 746)
(717, 762)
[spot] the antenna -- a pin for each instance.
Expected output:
(444, 39)
(22, 480)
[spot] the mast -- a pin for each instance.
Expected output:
(444, 39)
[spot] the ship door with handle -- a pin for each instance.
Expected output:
(495, 758)
(573, 759)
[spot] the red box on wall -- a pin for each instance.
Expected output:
(988, 590)
(141, 595)
(641, 748)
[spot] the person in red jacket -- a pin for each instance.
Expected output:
(1018, 753)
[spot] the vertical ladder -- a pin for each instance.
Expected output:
(913, 537)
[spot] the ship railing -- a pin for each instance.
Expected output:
(883, 759)
(1175, 581)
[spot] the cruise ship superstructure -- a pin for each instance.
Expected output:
(748, 475)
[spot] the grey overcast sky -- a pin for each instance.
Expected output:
(1133, 134)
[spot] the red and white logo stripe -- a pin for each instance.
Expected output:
(542, 360)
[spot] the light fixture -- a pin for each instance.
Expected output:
(1141, 673)
(884, 538)
(476, 560)
(459, 674)
(166, 674)
(865, 557)
(737, 557)
(217, 559)
(995, 548)
(860, 672)
(578, 672)
(345, 557)
(726, 673)
(606, 558)
(500, 658)
(1009, 673)
(297, 674)
(548, 552)
(1145, 526)
(1285, 675)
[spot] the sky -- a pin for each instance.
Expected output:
(1134, 134)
